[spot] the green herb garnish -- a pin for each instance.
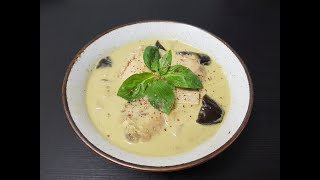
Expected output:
(159, 84)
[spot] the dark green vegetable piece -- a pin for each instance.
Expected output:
(135, 86)
(182, 77)
(161, 96)
(151, 58)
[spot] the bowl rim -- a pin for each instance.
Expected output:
(144, 167)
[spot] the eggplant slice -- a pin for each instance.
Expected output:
(105, 62)
(184, 53)
(160, 46)
(210, 112)
(204, 59)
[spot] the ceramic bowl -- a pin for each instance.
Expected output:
(74, 85)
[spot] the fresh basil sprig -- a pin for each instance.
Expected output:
(159, 84)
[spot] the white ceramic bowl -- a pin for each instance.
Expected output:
(74, 85)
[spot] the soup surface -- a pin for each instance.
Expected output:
(139, 128)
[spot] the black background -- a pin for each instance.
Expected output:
(251, 27)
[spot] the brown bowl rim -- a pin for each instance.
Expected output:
(144, 167)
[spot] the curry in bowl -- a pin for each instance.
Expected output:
(157, 97)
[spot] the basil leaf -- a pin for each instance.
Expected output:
(151, 58)
(182, 77)
(161, 96)
(165, 62)
(134, 87)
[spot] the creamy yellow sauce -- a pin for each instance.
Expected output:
(180, 133)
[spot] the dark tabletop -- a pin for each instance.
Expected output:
(251, 27)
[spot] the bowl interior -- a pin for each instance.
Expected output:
(99, 48)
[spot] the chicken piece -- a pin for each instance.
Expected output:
(186, 96)
(135, 64)
(141, 121)
(175, 121)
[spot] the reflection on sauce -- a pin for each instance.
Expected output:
(137, 128)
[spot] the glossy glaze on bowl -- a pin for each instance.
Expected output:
(79, 70)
